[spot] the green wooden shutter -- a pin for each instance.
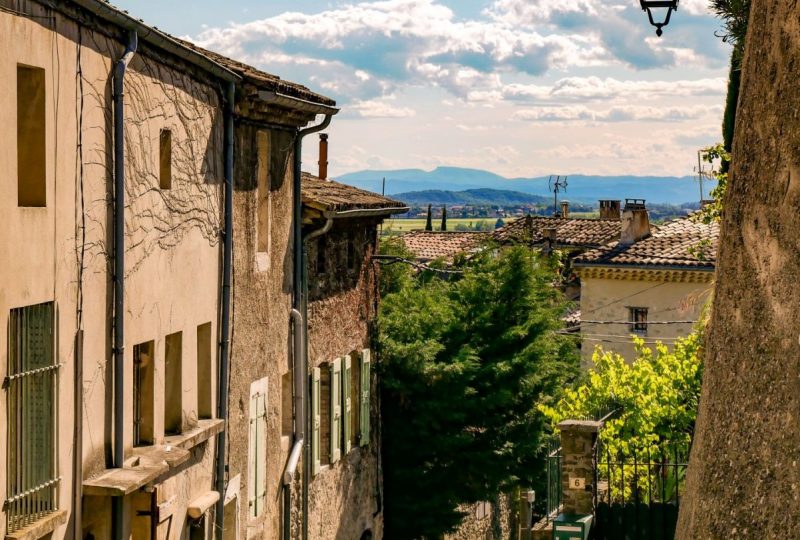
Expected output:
(257, 457)
(347, 402)
(315, 421)
(336, 410)
(365, 396)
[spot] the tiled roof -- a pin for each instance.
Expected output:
(260, 78)
(335, 196)
(685, 242)
(577, 232)
(430, 245)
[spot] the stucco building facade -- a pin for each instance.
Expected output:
(151, 202)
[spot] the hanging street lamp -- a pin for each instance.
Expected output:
(650, 5)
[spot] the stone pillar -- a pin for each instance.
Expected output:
(578, 438)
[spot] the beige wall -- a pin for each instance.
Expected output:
(609, 300)
(172, 240)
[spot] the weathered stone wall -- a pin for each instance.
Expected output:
(345, 498)
(487, 520)
(261, 340)
(744, 469)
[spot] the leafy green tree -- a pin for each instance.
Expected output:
(464, 364)
(395, 275)
(716, 154)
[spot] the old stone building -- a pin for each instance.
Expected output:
(652, 282)
(154, 289)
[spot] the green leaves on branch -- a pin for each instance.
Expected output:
(716, 154)
(464, 364)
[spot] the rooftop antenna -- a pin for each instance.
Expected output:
(702, 173)
(556, 185)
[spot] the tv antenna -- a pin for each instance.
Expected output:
(557, 184)
(703, 173)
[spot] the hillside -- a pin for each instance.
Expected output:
(655, 189)
(473, 197)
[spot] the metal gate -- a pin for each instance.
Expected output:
(638, 493)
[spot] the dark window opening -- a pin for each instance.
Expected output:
(322, 262)
(638, 318)
(143, 392)
(173, 383)
(31, 137)
(205, 372)
(165, 160)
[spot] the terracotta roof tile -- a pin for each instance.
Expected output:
(685, 242)
(430, 245)
(260, 78)
(577, 232)
(332, 195)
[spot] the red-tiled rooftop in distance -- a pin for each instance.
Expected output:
(430, 245)
(575, 232)
(684, 242)
(329, 195)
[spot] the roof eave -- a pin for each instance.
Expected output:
(655, 267)
(157, 38)
(290, 102)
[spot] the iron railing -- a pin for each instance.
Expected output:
(554, 488)
(32, 395)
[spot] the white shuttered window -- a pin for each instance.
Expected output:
(257, 454)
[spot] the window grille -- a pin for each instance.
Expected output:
(32, 397)
(638, 318)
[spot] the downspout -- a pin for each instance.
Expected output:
(225, 317)
(300, 330)
(119, 272)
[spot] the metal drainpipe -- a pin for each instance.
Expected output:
(119, 271)
(225, 317)
(298, 304)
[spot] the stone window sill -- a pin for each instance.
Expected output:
(204, 430)
(44, 526)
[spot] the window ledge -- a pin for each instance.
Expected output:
(42, 527)
(204, 430)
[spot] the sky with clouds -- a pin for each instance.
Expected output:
(519, 87)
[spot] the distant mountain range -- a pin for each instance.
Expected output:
(472, 197)
(581, 188)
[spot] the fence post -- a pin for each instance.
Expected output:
(578, 438)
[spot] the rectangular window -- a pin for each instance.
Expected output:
(205, 372)
(351, 251)
(355, 399)
(638, 318)
(347, 401)
(32, 393)
(287, 424)
(257, 480)
(336, 410)
(143, 392)
(316, 376)
(173, 383)
(366, 383)
(325, 410)
(263, 191)
(165, 160)
(31, 137)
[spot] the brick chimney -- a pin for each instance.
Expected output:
(323, 156)
(610, 209)
(635, 222)
(565, 209)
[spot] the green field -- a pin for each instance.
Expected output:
(399, 226)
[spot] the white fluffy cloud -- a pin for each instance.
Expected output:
(620, 113)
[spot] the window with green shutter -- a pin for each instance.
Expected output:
(257, 455)
(315, 420)
(32, 397)
(347, 402)
(336, 410)
(365, 396)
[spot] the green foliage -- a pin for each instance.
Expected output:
(716, 154)
(656, 396)
(395, 276)
(731, 102)
(734, 15)
(464, 364)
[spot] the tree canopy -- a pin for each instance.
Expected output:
(465, 363)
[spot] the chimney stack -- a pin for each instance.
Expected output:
(565, 209)
(323, 156)
(610, 209)
(635, 222)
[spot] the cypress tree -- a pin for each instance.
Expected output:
(444, 218)
(429, 222)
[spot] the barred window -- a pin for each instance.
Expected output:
(32, 396)
(638, 318)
